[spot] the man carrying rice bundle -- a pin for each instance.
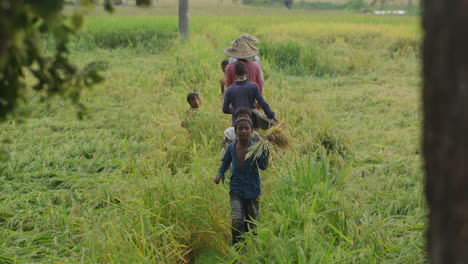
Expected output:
(244, 93)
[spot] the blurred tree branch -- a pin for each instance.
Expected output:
(23, 24)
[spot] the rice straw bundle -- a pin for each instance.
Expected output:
(274, 138)
(278, 137)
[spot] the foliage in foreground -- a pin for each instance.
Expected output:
(22, 26)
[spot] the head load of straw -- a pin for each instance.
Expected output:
(275, 138)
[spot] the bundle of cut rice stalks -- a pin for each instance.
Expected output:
(275, 138)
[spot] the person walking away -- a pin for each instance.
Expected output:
(253, 41)
(244, 93)
(242, 50)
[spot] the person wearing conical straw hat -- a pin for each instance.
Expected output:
(242, 50)
(253, 41)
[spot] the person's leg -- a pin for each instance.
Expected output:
(251, 212)
(238, 217)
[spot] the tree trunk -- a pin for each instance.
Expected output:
(144, 2)
(288, 3)
(445, 138)
(373, 2)
(183, 19)
(410, 3)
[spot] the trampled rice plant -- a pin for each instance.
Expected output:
(293, 227)
(128, 184)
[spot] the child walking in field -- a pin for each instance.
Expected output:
(230, 134)
(222, 81)
(195, 101)
(244, 186)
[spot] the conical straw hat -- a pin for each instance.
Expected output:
(251, 39)
(241, 49)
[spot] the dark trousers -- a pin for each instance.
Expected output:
(243, 211)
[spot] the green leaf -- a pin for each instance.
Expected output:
(77, 20)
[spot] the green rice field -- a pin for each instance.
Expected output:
(128, 184)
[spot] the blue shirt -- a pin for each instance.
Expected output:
(244, 93)
(245, 181)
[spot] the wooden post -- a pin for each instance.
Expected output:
(183, 19)
(445, 141)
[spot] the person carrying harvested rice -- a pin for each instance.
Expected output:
(244, 93)
(244, 186)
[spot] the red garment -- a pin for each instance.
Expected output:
(254, 74)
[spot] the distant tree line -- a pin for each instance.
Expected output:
(383, 2)
(287, 3)
(324, 4)
(116, 2)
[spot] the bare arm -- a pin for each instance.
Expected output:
(259, 78)
(227, 159)
(230, 78)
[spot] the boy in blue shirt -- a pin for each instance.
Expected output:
(244, 187)
(230, 134)
(244, 93)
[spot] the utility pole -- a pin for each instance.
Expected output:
(183, 19)
(445, 144)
